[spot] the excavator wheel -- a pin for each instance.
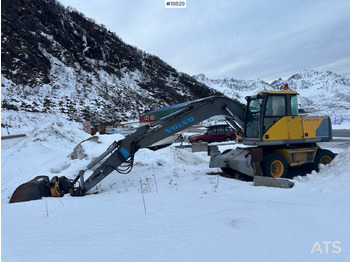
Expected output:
(274, 165)
(324, 157)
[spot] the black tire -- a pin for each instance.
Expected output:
(199, 141)
(228, 171)
(324, 157)
(228, 138)
(274, 165)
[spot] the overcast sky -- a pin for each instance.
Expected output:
(243, 39)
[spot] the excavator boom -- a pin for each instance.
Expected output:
(120, 155)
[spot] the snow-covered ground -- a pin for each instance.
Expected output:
(168, 208)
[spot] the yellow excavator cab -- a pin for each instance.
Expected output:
(272, 118)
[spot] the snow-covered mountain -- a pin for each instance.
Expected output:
(56, 60)
(234, 88)
(320, 92)
(325, 92)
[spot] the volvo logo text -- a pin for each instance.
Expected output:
(179, 125)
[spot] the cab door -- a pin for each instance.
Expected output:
(281, 121)
(252, 130)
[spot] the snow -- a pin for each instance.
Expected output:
(168, 208)
(341, 122)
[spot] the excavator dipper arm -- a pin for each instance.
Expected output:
(120, 155)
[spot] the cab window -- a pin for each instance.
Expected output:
(252, 124)
(294, 105)
(275, 106)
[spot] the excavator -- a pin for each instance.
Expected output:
(275, 137)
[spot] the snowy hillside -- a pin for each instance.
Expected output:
(320, 92)
(324, 92)
(168, 208)
(56, 60)
(234, 88)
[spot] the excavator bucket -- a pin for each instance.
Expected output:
(39, 187)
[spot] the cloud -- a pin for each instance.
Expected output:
(233, 38)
